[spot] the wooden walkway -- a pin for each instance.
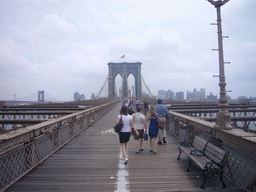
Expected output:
(91, 162)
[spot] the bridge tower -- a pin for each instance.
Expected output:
(40, 96)
(124, 70)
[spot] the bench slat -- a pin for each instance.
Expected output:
(200, 160)
(186, 150)
(214, 153)
(199, 143)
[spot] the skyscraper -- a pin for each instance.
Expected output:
(161, 94)
(180, 95)
(76, 96)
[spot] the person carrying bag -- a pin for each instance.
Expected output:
(118, 127)
(125, 132)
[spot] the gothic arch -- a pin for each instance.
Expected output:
(124, 70)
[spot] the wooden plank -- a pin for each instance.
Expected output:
(91, 162)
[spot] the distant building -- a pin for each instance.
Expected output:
(201, 94)
(196, 95)
(190, 95)
(76, 96)
(145, 94)
(180, 96)
(242, 97)
(243, 100)
(82, 97)
(161, 94)
(170, 94)
(93, 96)
(253, 99)
(212, 97)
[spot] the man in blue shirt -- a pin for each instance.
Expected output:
(162, 112)
(137, 103)
(131, 107)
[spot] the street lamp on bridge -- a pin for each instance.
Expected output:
(223, 116)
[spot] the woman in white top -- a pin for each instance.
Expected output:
(140, 123)
(125, 133)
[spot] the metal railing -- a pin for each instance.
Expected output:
(241, 162)
(45, 138)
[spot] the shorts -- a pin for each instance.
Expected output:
(124, 137)
(140, 136)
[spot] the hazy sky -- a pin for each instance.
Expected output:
(63, 46)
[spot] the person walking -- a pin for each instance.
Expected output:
(124, 135)
(153, 129)
(131, 107)
(124, 101)
(137, 102)
(140, 124)
(145, 107)
(162, 112)
(127, 102)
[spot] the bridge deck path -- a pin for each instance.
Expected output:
(91, 162)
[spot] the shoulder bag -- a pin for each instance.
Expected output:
(118, 127)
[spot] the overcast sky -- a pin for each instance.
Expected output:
(63, 46)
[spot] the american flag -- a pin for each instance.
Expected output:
(123, 56)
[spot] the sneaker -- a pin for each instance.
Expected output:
(164, 140)
(154, 153)
(126, 161)
(159, 142)
(142, 149)
(137, 152)
(150, 150)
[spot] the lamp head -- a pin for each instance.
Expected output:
(218, 3)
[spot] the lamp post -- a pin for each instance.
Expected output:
(223, 116)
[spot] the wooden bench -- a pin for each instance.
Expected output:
(209, 158)
(196, 146)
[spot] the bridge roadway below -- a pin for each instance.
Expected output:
(91, 162)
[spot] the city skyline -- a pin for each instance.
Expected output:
(78, 96)
(62, 47)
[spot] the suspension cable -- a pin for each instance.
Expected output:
(102, 88)
(116, 89)
(146, 86)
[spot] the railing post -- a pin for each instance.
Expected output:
(176, 128)
(190, 134)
